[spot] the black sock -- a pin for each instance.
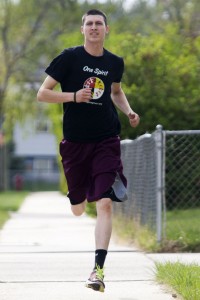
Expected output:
(100, 256)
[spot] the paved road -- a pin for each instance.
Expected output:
(47, 254)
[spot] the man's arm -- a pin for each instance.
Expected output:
(120, 100)
(47, 94)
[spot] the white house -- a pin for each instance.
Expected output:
(36, 147)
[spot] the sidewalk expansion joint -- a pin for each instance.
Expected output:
(67, 251)
(72, 281)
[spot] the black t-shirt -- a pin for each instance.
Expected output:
(75, 69)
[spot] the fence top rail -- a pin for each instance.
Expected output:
(179, 132)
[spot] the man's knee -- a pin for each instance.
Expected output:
(78, 209)
(104, 206)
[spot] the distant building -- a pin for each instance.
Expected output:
(35, 152)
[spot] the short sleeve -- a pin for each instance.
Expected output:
(60, 65)
(120, 70)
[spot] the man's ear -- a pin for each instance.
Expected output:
(81, 29)
(107, 29)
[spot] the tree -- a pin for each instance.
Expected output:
(184, 13)
(28, 36)
(161, 79)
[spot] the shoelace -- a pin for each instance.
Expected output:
(99, 272)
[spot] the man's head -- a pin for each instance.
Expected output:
(94, 26)
(94, 12)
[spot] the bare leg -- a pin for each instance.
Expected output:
(103, 227)
(103, 231)
(78, 209)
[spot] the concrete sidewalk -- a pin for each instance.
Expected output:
(47, 254)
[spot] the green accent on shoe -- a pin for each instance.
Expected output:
(99, 272)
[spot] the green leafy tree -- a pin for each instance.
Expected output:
(184, 13)
(28, 34)
(161, 79)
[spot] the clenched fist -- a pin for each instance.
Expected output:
(134, 119)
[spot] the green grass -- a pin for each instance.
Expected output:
(184, 279)
(183, 230)
(128, 231)
(91, 209)
(10, 201)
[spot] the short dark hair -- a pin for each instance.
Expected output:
(94, 12)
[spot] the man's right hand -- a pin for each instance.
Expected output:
(84, 95)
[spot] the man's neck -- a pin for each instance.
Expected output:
(94, 50)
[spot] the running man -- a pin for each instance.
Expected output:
(90, 79)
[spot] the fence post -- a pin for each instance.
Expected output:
(159, 181)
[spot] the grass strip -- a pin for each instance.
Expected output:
(10, 201)
(183, 278)
(182, 232)
(183, 226)
(128, 231)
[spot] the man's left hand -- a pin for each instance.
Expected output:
(134, 119)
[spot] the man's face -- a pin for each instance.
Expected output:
(94, 28)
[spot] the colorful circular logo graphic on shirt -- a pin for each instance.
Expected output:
(97, 86)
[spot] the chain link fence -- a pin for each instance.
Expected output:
(182, 165)
(139, 161)
(163, 172)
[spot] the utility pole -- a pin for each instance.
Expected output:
(3, 163)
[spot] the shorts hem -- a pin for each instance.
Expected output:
(109, 194)
(75, 202)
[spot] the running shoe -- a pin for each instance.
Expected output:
(95, 280)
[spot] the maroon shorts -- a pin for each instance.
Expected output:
(91, 169)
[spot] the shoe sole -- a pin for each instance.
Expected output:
(95, 286)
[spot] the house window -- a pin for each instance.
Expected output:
(42, 126)
(42, 164)
(48, 164)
